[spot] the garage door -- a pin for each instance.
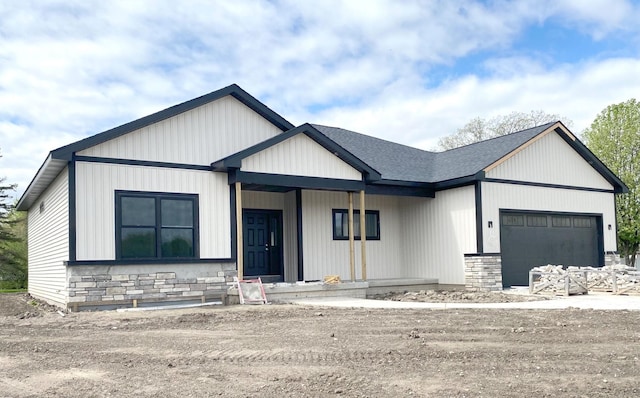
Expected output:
(528, 240)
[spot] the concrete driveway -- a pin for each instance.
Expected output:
(596, 301)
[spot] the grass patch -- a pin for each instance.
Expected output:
(13, 291)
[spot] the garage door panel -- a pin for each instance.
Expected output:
(528, 240)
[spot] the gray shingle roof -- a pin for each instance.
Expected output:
(470, 159)
(394, 161)
(404, 163)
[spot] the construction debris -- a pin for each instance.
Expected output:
(331, 279)
(558, 280)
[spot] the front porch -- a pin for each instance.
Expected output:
(283, 292)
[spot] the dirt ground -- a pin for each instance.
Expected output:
(295, 351)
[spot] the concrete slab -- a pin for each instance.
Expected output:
(596, 301)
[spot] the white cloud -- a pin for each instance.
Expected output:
(69, 69)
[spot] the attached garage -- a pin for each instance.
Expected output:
(529, 239)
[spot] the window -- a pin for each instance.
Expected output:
(536, 221)
(582, 222)
(156, 225)
(561, 222)
(513, 220)
(341, 224)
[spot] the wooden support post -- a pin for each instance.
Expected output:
(363, 236)
(240, 253)
(352, 255)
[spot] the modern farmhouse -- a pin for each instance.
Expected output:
(175, 204)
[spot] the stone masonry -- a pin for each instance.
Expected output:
(483, 273)
(104, 288)
(611, 258)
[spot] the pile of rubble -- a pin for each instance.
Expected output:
(558, 280)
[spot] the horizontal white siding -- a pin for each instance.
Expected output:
(48, 242)
(550, 160)
(199, 136)
(95, 196)
(325, 256)
(436, 233)
(302, 156)
(496, 196)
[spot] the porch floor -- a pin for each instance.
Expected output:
(283, 291)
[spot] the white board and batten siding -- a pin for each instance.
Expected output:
(301, 156)
(419, 237)
(324, 256)
(48, 242)
(290, 231)
(95, 204)
(496, 196)
(436, 233)
(199, 136)
(550, 160)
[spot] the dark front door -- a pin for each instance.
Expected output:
(529, 240)
(262, 231)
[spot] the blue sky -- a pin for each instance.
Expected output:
(408, 71)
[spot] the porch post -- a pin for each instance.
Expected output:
(352, 256)
(240, 253)
(363, 236)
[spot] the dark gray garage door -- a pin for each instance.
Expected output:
(528, 240)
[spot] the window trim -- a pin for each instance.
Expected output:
(355, 213)
(157, 196)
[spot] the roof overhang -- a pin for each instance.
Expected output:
(43, 178)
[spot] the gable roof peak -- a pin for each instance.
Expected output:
(233, 90)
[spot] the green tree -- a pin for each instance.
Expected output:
(13, 252)
(614, 136)
(479, 129)
(13, 246)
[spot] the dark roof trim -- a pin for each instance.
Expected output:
(235, 161)
(618, 185)
(233, 90)
(423, 191)
(545, 185)
(459, 182)
(147, 163)
(278, 180)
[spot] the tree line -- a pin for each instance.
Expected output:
(13, 241)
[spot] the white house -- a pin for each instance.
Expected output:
(175, 204)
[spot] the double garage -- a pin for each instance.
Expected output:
(530, 239)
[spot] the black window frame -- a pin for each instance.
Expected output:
(158, 197)
(356, 214)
